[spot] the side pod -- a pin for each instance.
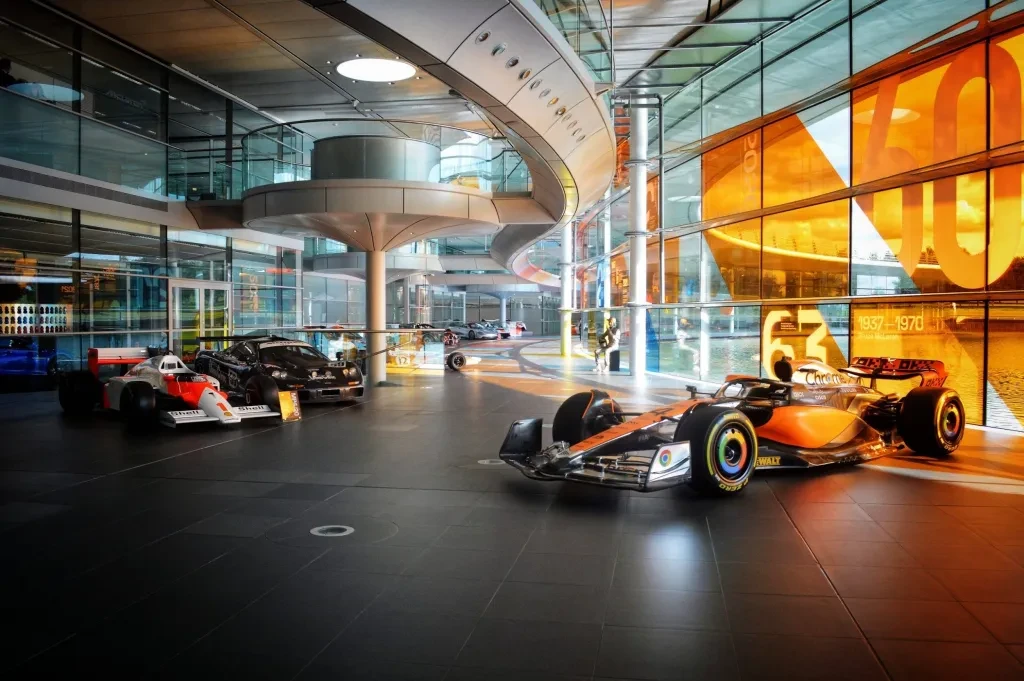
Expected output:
(524, 437)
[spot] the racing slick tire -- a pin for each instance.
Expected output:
(138, 403)
(575, 420)
(78, 392)
(723, 449)
(932, 421)
(263, 390)
(455, 361)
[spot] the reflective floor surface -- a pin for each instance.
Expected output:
(187, 554)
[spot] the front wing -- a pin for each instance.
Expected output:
(662, 464)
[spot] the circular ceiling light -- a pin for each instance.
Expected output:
(376, 70)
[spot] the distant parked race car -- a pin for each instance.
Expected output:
(157, 388)
(814, 415)
(256, 369)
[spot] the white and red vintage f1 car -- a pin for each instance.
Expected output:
(156, 387)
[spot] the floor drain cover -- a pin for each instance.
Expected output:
(332, 531)
(490, 462)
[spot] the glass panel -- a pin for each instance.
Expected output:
(732, 261)
(682, 118)
(124, 159)
(892, 26)
(35, 67)
(807, 154)
(674, 345)
(729, 341)
(119, 99)
(732, 92)
(731, 177)
(805, 332)
(806, 252)
(196, 255)
(1005, 66)
(254, 264)
(682, 194)
(806, 56)
(682, 269)
(31, 239)
(945, 331)
(120, 245)
(1006, 247)
(31, 132)
(900, 124)
(216, 312)
(186, 321)
(924, 238)
(114, 302)
(1004, 392)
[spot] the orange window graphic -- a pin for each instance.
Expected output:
(731, 178)
(923, 238)
(951, 332)
(920, 117)
(806, 252)
(807, 154)
(1006, 241)
(1006, 64)
(734, 266)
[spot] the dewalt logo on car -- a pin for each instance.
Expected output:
(768, 461)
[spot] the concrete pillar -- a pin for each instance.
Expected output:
(408, 302)
(376, 312)
(565, 268)
(502, 311)
(637, 241)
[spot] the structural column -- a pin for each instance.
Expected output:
(606, 249)
(502, 312)
(408, 302)
(376, 312)
(565, 268)
(637, 241)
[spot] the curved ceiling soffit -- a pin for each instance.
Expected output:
(507, 58)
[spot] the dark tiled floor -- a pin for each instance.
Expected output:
(187, 555)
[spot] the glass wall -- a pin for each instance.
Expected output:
(71, 280)
(887, 221)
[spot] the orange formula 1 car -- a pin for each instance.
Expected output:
(814, 415)
(149, 385)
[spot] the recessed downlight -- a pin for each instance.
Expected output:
(376, 70)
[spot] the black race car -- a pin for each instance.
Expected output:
(293, 365)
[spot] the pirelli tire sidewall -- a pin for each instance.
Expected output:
(705, 431)
(932, 421)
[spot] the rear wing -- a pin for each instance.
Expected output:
(116, 356)
(931, 371)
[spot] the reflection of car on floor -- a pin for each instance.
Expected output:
(818, 415)
(289, 365)
(157, 386)
(23, 357)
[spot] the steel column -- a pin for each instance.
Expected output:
(565, 272)
(637, 241)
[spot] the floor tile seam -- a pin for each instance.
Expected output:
(341, 631)
(721, 586)
(238, 612)
(604, 613)
(490, 601)
(129, 552)
(126, 607)
(835, 591)
(212, 445)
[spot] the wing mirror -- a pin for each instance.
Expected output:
(339, 355)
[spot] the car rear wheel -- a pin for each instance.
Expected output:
(472, 335)
(932, 421)
(262, 390)
(723, 449)
(584, 415)
(455, 361)
(78, 392)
